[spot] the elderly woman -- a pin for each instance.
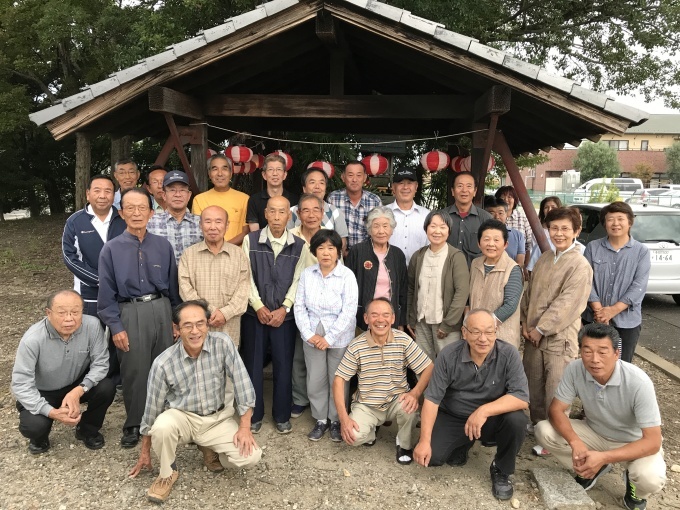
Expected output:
(380, 268)
(496, 281)
(620, 272)
(516, 217)
(325, 305)
(438, 288)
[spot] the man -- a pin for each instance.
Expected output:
(181, 228)
(62, 361)
(218, 272)
(126, 174)
(315, 182)
(622, 422)
(179, 411)
(478, 391)
(409, 234)
(515, 249)
(137, 286)
(354, 202)
(379, 357)
(85, 233)
(154, 186)
(220, 170)
(274, 173)
(276, 260)
(466, 217)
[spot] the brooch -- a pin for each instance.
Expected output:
(368, 265)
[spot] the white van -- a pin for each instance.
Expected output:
(626, 186)
(670, 186)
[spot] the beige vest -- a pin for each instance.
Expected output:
(486, 291)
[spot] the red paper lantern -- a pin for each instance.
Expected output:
(238, 168)
(456, 163)
(211, 153)
(434, 161)
(285, 156)
(324, 166)
(238, 153)
(248, 167)
(375, 164)
(258, 159)
(461, 164)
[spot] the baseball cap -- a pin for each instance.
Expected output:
(404, 173)
(175, 176)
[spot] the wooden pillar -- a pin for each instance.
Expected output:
(83, 162)
(121, 148)
(174, 134)
(199, 158)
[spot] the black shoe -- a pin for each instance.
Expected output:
(501, 486)
(630, 500)
(335, 433)
(371, 443)
(489, 444)
(459, 456)
(589, 483)
(404, 456)
(318, 431)
(94, 442)
(130, 437)
(38, 447)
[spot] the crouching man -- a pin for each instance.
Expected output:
(191, 376)
(623, 423)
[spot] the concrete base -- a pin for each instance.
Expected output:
(560, 491)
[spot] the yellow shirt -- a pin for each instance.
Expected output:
(233, 201)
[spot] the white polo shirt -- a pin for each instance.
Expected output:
(409, 234)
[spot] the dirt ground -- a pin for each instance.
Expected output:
(294, 473)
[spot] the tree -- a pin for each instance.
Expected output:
(673, 163)
(644, 172)
(595, 160)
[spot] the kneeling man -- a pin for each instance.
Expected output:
(478, 391)
(191, 377)
(622, 424)
(379, 357)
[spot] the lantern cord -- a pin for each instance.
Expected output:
(333, 143)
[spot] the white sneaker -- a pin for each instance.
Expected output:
(530, 428)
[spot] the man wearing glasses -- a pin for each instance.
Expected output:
(137, 286)
(176, 223)
(126, 174)
(478, 391)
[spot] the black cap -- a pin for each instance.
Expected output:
(404, 173)
(175, 176)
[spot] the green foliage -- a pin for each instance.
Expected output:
(595, 160)
(673, 163)
(644, 172)
(603, 194)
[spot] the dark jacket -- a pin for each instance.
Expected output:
(363, 262)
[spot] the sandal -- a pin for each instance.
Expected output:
(404, 457)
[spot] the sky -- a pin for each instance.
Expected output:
(639, 103)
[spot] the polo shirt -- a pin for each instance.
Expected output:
(459, 387)
(617, 410)
(257, 203)
(233, 201)
(463, 235)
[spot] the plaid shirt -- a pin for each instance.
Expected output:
(333, 219)
(355, 216)
(197, 385)
(519, 221)
(181, 235)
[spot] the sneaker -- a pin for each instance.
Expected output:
(284, 428)
(161, 487)
(336, 435)
(38, 447)
(211, 459)
(296, 411)
(459, 456)
(501, 486)
(318, 431)
(589, 483)
(256, 427)
(94, 442)
(630, 500)
(530, 428)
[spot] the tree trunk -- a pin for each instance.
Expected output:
(83, 163)
(34, 205)
(121, 148)
(54, 198)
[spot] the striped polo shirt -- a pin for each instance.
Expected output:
(381, 369)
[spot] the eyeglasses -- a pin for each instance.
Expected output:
(189, 327)
(62, 314)
(126, 173)
(563, 230)
(476, 334)
(177, 191)
(136, 208)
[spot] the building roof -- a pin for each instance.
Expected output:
(659, 124)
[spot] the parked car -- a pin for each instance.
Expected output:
(625, 185)
(657, 227)
(646, 195)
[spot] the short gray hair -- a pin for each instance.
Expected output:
(380, 212)
(476, 311)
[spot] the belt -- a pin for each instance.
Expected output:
(143, 299)
(217, 411)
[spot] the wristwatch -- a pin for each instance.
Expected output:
(287, 309)
(85, 388)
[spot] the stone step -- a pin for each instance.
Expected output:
(560, 491)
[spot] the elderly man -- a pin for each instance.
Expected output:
(154, 186)
(218, 272)
(276, 260)
(622, 422)
(176, 224)
(274, 173)
(478, 391)
(126, 174)
(179, 411)
(379, 357)
(466, 216)
(409, 235)
(62, 361)
(220, 171)
(137, 286)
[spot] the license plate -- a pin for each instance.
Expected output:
(662, 256)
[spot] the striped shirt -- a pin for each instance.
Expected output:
(333, 219)
(355, 215)
(197, 385)
(519, 221)
(180, 235)
(381, 369)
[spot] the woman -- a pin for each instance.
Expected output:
(547, 205)
(380, 268)
(496, 281)
(516, 217)
(325, 305)
(438, 288)
(620, 272)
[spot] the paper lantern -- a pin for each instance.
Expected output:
(248, 167)
(324, 166)
(238, 168)
(375, 164)
(434, 161)
(238, 153)
(285, 156)
(211, 153)
(460, 164)
(258, 159)
(456, 163)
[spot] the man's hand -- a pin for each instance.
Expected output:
(578, 453)
(245, 441)
(347, 428)
(71, 401)
(277, 317)
(605, 314)
(440, 334)
(409, 402)
(535, 337)
(474, 424)
(264, 315)
(319, 342)
(423, 453)
(217, 319)
(525, 332)
(62, 415)
(592, 462)
(121, 341)
(144, 462)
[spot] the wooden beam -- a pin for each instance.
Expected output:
(174, 134)
(165, 152)
(199, 157)
(82, 171)
(345, 107)
(165, 100)
(495, 101)
(325, 29)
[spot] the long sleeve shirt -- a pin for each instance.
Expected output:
(46, 362)
(130, 268)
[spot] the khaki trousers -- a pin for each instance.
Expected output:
(174, 427)
(544, 371)
(427, 340)
(368, 418)
(647, 473)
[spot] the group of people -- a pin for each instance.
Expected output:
(411, 309)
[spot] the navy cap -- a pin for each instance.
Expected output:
(175, 176)
(404, 173)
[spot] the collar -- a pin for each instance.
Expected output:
(614, 379)
(265, 234)
(609, 246)
(54, 335)
(472, 212)
(317, 269)
(203, 246)
(466, 357)
(90, 212)
(414, 207)
(186, 355)
(188, 216)
(559, 255)
(371, 342)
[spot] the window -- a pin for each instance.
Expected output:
(644, 145)
(619, 145)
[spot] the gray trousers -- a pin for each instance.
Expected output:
(299, 374)
(321, 367)
(149, 329)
